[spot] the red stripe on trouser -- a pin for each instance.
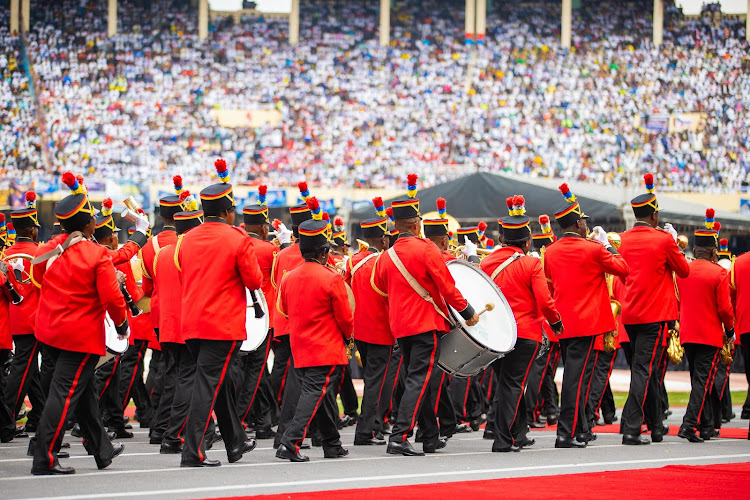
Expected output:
(466, 398)
(578, 392)
(283, 382)
(609, 374)
(709, 382)
(132, 379)
(539, 398)
(726, 381)
(424, 386)
(489, 388)
(439, 391)
(32, 357)
(216, 393)
(395, 382)
(315, 410)
(523, 384)
(650, 364)
(61, 424)
(109, 379)
(257, 384)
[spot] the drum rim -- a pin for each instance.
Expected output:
(262, 299)
(504, 301)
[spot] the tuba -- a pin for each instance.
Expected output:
(610, 338)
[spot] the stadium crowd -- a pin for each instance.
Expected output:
(141, 106)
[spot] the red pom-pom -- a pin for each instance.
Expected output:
(107, 203)
(482, 226)
(450, 234)
(10, 226)
(177, 181)
(302, 187)
(519, 201)
(69, 179)
(312, 203)
(2, 217)
(710, 212)
(717, 226)
(31, 196)
(140, 211)
(490, 242)
(389, 212)
(377, 202)
(648, 179)
(509, 202)
(564, 189)
(441, 203)
(221, 165)
(326, 216)
(80, 179)
(338, 221)
(543, 219)
(184, 195)
(724, 242)
(262, 189)
(412, 179)
(276, 224)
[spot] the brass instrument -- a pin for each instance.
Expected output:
(610, 338)
(25, 277)
(682, 242)
(363, 245)
(130, 213)
(727, 350)
(614, 239)
(674, 349)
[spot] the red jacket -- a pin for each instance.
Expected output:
(6, 340)
(167, 279)
(123, 254)
(447, 256)
(314, 299)
(653, 257)
(739, 283)
(140, 326)
(408, 313)
(525, 287)
(370, 324)
(217, 263)
(76, 290)
(618, 290)
(575, 268)
(287, 259)
(705, 304)
(22, 316)
(148, 253)
(266, 252)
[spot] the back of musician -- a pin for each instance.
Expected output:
(705, 304)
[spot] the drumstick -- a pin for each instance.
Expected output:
(487, 307)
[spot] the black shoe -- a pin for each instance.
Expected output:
(689, 434)
(586, 437)
(168, 448)
(610, 420)
(633, 440)
(215, 438)
(418, 437)
(542, 419)
(122, 434)
(537, 425)
(552, 419)
(745, 415)
(103, 464)
(112, 436)
(57, 469)
(477, 422)
(76, 432)
(237, 453)
(286, 454)
(129, 427)
(439, 445)
(156, 438)
(336, 452)
(488, 434)
(353, 418)
(21, 433)
(404, 449)
(566, 442)
(379, 435)
(709, 434)
(63, 454)
(346, 421)
(512, 448)
(316, 441)
(207, 462)
(7, 438)
(265, 433)
(525, 443)
(387, 428)
(658, 436)
(30, 427)
(304, 446)
(368, 441)
(461, 428)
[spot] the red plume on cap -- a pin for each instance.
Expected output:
(326, 216)
(710, 212)
(377, 202)
(69, 179)
(519, 200)
(220, 164)
(302, 186)
(412, 179)
(10, 226)
(724, 242)
(717, 226)
(509, 202)
(2, 217)
(184, 195)
(648, 178)
(338, 221)
(543, 219)
(312, 203)
(276, 224)
(31, 196)
(262, 190)
(441, 203)
(389, 212)
(482, 226)
(490, 243)
(107, 203)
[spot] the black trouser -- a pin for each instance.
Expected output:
(155, 379)
(108, 391)
(316, 401)
(349, 400)
(578, 355)
(509, 405)
(420, 353)
(703, 361)
(212, 391)
(662, 370)
(71, 392)
(388, 399)
(745, 344)
(644, 397)
(549, 396)
(719, 391)
(599, 385)
(534, 385)
(395, 367)
(292, 391)
(442, 402)
(183, 392)
(166, 399)
(282, 366)
(131, 379)
(7, 419)
(24, 378)
(251, 393)
(375, 359)
(466, 394)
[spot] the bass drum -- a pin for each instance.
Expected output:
(467, 350)
(115, 345)
(257, 328)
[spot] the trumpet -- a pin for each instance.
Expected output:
(130, 213)
(682, 241)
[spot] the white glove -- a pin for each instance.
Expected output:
(668, 228)
(283, 234)
(469, 249)
(142, 225)
(17, 265)
(121, 278)
(600, 235)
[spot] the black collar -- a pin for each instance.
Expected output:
(405, 235)
(572, 235)
(642, 224)
(213, 218)
(169, 228)
(23, 238)
(373, 250)
(253, 235)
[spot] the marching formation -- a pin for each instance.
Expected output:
(447, 328)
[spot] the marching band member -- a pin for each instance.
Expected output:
(648, 304)
(415, 264)
(721, 396)
(24, 375)
(78, 283)
(7, 418)
(706, 320)
(739, 283)
(314, 300)
(576, 268)
(372, 334)
(222, 258)
(254, 389)
(522, 280)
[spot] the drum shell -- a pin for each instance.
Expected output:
(256, 328)
(461, 356)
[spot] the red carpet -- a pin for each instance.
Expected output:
(724, 482)
(725, 432)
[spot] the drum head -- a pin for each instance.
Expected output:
(496, 329)
(114, 344)
(257, 328)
